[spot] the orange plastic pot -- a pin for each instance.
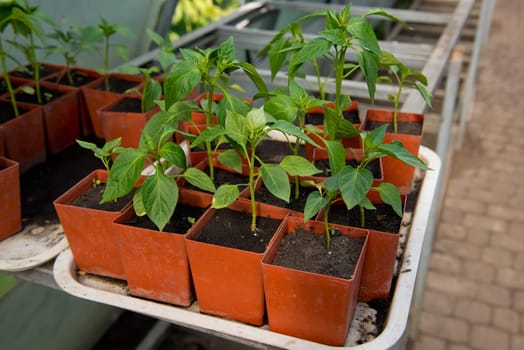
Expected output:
(96, 96)
(61, 121)
(228, 281)
(10, 208)
(24, 136)
(156, 262)
(308, 305)
(125, 124)
(2, 142)
(89, 231)
(88, 77)
(395, 171)
(379, 265)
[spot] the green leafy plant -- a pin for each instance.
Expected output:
(403, 76)
(11, 16)
(152, 89)
(166, 55)
(157, 196)
(28, 22)
(103, 153)
(107, 30)
(245, 134)
(342, 33)
(72, 40)
(211, 68)
(351, 184)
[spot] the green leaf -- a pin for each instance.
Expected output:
(225, 195)
(375, 137)
(276, 181)
(226, 50)
(253, 75)
(292, 130)
(174, 154)
(397, 150)
(182, 79)
(384, 13)
(277, 57)
(336, 36)
(152, 92)
(282, 107)
(314, 202)
(138, 202)
(336, 155)
(208, 135)
(362, 30)
(160, 196)
(390, 194)
(424, 92)
(236, 128)
(200, 179)
(312, 49)
(231, 159)
(298, 166)
(256, 119)
(368, 62)
(354, 185)
(124, 174)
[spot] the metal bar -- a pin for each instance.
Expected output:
(435, 66)
(469, 85)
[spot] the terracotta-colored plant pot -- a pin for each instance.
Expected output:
(97, 97)
(379, 265)
(320, 154)
(89, 231)
(61, 121)
(24, 136)
(156, 262)
(395, 171)
(81, 77)
(116, 122)
(10, 207)
(2, 142)
(228, 281)
(310, 305)
(52, 70)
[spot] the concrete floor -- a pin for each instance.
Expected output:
(474, 294)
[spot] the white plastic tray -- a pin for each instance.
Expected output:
(31, 247)
(393, 336)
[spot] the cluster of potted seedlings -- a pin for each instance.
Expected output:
(188, 206)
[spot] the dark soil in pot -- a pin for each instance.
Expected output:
(91, 199)
(7, 112)
(28, 74)
(318, 118)
(180, 221)
(306, 251)
(323, 164)
(3, 86)
(263, 195)
(230, 228)
(273, 151)
(382, 219)
(410, 128)
(41, 185)
(117, 85)
(132, 105)
(47, 96)
(79, 79)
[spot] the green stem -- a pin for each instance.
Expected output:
(252, 185)
(8, 82)
(36, 70)
(397, 100)
(106, 64)
(326, 227)
(362, 217)
(208, 113)
(321, 91)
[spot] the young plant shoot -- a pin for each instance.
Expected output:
(245, 132)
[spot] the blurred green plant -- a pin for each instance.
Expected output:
(190, 15)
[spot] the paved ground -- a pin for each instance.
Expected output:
(474, 295)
